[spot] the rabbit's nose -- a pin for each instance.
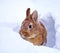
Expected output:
(20, 32)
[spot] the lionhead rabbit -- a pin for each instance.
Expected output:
(33, 30)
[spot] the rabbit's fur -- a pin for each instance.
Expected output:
(33, 30)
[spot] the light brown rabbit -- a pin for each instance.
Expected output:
(32, 30)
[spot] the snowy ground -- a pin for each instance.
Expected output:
(12, 13)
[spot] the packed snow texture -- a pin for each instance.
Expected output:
(49, 24)
(12, 13)
(11, 42)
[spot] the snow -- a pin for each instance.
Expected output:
(12, 13)
(11, 42)
(51, 7)
(49, 23)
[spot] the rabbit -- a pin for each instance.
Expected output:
(33, 30)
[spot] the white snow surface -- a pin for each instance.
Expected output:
(12, 13)
(11, 42)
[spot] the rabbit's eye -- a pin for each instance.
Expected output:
(30, 26)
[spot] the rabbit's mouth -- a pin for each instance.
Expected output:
(32, 36)
(27, 35)
(24, 34)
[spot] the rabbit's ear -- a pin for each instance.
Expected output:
(28, 12)
(35, 16)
